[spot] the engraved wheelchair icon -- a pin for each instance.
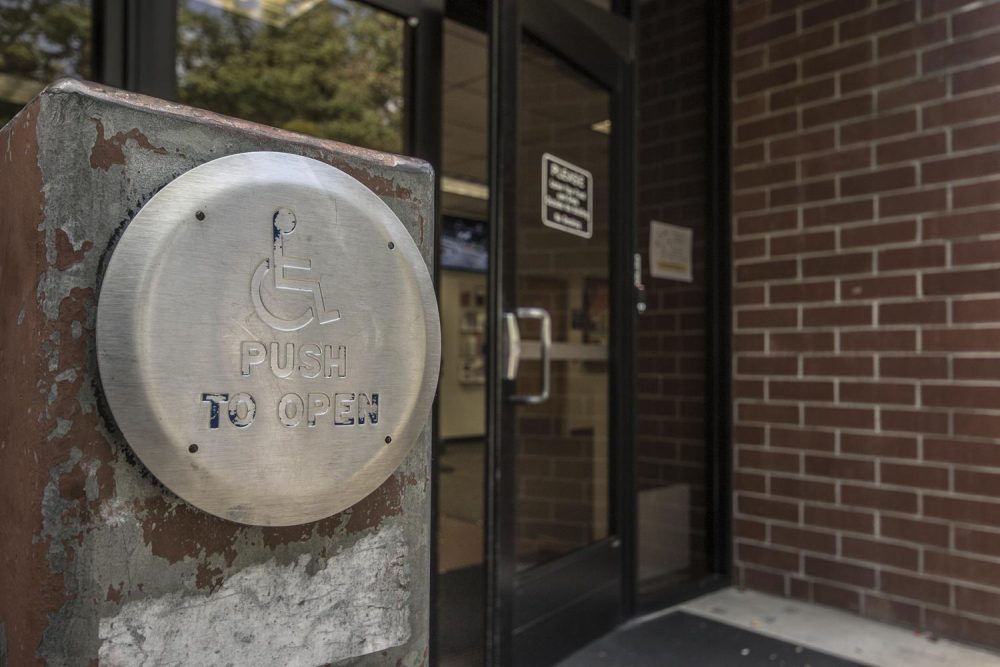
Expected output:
(290, 274)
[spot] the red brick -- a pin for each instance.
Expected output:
(976, 368)
(769, 270)
(961, 340)
(962, 224)
(891, 16)
(769, 78)
(831, 10)
(911, 148)
(837, 265)
(955, 566)
(908, 203)
(879, 128)
(912, 93)
(819, 341)
(761, 318)
(878, 445)
(975, 252)
(803, 291)
(910, 421)
(977, 541)
(806, 540)
(749, 108)
(767, 508)
(976, 20)
(765, 32)
(877, 498)
(802, 193)
(803, 143)
(749, 201)
(747, 365)
(920, 531)
(977, 601)
(745, 296)
(880, 339)
(840, 519)
(977, 482)
(765, 175)
(749, 154)
(766, 127)
(805, 242)
(805, 93)
(842, 366)
(799, 390)
(803, 489)
(880, 234)
(786, 414)
(976, 194)
(800, 44)
(966, 166)
(839, 417)
(912, 37)
(877, 392)
(748, 435)
(913, 367)
(880, 73)
(836, 316)
(974, 136)
(960, 396)
(915, 588)
(762, 459)
(912, 258)
(840, 467)
(766, 222)
(962, 627)
(836, 596)
(746, 13)
(895, 178)
(838, 59)
(805, 439)
(777, 559)
(920, 476)
(846, 160)
(961, 53)
(962, 282)
(846, 573)
(837, 110)
(834, 214)
(748, 61)
(749, 529)
(917, 312)
(745, 389)
(750, 248)
(976, 511)
(748, 342)
(893, 555)
(962, 452)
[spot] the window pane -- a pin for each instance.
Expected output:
(40, 40)
(332, 69)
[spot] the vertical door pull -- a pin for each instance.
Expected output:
(512, 348)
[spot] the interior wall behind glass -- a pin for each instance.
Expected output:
(328, 68)
(670, 365)
(40, 41)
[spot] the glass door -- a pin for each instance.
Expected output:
(562, 299)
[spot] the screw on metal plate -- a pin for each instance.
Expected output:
(200, 215)
(388, 439)
(391, 245)
(193, 449)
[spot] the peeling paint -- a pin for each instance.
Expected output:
(108, 151)
(353, 604)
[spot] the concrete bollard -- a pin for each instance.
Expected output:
(99, 560)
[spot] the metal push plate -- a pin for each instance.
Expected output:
(268, 338)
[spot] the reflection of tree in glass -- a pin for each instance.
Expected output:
(334, 71)
(40, 40)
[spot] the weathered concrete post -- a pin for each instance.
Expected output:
(100, 561)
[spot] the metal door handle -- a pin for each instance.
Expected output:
(512, 350)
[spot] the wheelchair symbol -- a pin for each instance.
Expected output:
(289, 274)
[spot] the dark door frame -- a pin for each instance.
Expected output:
(600, 46)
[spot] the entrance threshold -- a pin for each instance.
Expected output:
(759, 626)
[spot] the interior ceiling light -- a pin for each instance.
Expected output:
(602, 126)
(462, 188)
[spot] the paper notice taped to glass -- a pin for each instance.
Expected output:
(670, 251)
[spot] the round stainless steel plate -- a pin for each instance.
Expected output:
(268, 338)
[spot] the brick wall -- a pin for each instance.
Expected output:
(866, 196)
